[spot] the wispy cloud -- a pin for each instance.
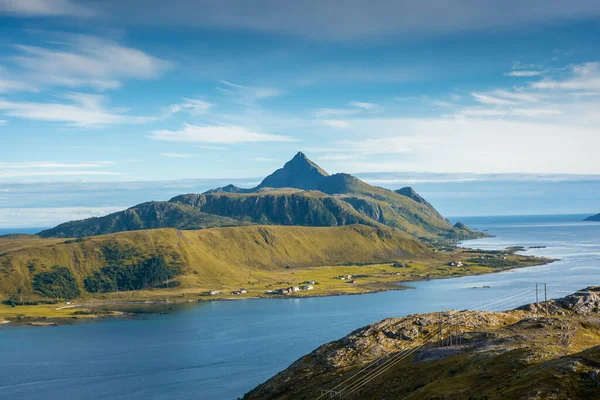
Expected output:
(487, 99)
(83, 60)
(341, 20)
(51, 216)
(364, 106)
(336, 123)
(523, 73)
(225, 134)
(584, 77)
(55, 165)
(9, 83)
(43, 173)
(45, 8)
(472, 144)
(264, 159)
(210, 147)
(191, 106)
(248, 95)
(80, 110)
(335, 112)
(177, 155)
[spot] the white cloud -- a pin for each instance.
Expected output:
(55, 165)
(441, 103)
(348, 19)
(264, 159)
(44, 8)
(487, 99)
(177, 155)
(83, 110)
(523, 73)
(519, 95)
(584, 77)
(334, 112)
(248, 95)
(336, 123)
(337, 157)
(211, 147)
(225, 134)
(473, 145)
(80, 60)
(51, 216)
(192, 106)
(515, 112)
(2, 122)
(40, 173)
(363, 105)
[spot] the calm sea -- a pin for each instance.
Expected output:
(220, 350)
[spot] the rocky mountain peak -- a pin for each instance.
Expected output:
(299, 172)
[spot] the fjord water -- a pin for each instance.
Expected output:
(219, 350)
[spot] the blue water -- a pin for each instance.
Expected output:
(220, 350)
(6, 231)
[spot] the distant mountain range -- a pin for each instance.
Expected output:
(593, 218)
(300, 193)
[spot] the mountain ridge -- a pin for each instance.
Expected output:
(300, 193)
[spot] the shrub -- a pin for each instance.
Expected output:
(59, 282)
(152, 272)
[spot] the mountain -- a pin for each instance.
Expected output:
(35, 268)
(299, 172)
(526, 353)
(593, 218)
(151, 215)
(300, 193)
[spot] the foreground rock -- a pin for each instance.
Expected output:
(519, 354)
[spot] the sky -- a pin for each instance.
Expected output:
(107, 91)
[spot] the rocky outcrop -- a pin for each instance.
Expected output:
(516, 354)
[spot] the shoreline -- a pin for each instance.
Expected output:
(369, 288)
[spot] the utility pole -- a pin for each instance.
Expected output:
(546, 299)
(537, 300)
(441, 338)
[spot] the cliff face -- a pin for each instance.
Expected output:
(281, 209)
(515, 354)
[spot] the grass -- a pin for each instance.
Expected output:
(369, 277)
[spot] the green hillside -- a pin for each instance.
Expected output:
(151, 215)
(32, 268)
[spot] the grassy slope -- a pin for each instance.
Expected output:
(213, 257)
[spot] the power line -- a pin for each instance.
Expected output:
(377, 367)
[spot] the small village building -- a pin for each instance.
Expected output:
(243, 291)
(295, 289)
(236, 292)
(214, 292)
(312, 282)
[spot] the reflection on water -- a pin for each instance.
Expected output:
(219, 350)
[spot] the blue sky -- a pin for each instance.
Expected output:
(97, 91)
